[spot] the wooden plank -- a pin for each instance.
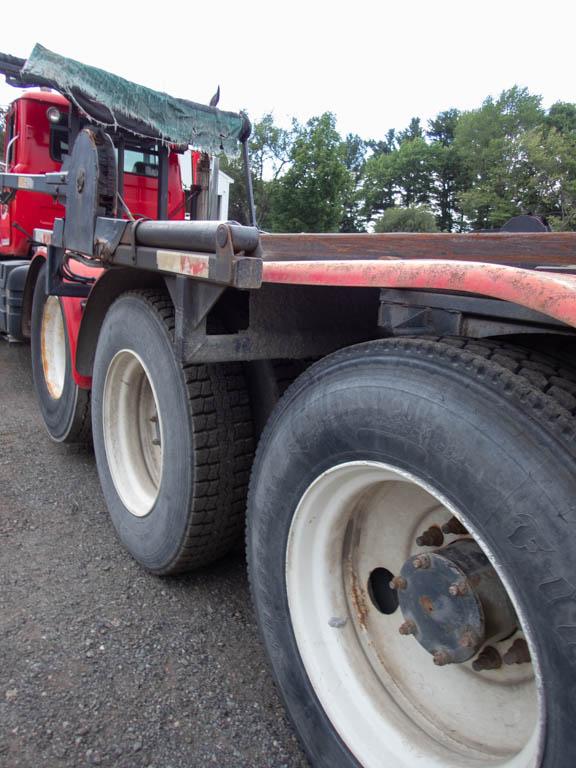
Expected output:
(530, 248)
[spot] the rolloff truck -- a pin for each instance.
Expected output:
(390, 418)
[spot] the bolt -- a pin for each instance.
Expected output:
(155, 441)
(518, 653)
(469, 639)
(488, 658)
(80, 180)
(432, 537)
(454, 526)
(408, 628)
(441, 658)
(398, 582)
(459, 588)
(421, 561)
(222, 235)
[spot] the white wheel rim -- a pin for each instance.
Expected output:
(381, 691)
(132, 429)
(53, 347)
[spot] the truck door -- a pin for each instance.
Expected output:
(10, 148)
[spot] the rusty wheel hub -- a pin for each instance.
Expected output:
(453, 602)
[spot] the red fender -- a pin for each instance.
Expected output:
(552, 294)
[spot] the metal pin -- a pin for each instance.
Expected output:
(488, 658)
(454, 526)
(518, 653)
(458, 589)
(432, 537)
(407, 628)
(441, 658)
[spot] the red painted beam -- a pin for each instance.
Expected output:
(552, 294)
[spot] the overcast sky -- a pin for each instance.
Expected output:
(375, 64)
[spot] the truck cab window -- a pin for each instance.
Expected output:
(58, 142)
(141, 163)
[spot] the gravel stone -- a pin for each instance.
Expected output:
(182, 673)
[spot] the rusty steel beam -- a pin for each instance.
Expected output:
(528, 248)
(551, 294)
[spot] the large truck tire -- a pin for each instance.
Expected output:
(64, 406)
(173, 442)
(411, 538)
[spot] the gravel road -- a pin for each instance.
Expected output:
(101, 663)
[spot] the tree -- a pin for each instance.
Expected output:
(384, 146)
(414, 131)
(269, 148)
(354, 158)
(450, 177)
(487, 141)
(413, 219)
(311, 195)
(403, 176)
(550, 157)
(562, 117)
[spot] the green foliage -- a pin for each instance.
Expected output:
(270, 148)
(413, 219)
(355, 150)
(403, 176)
(311, 195)
(468, 170)
(487, 142)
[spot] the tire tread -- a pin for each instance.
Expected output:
(221, 421)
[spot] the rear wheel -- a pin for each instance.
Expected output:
(410, 540)
(65, 407)
(173, 442)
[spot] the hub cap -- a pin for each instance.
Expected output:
(53, 347)
(453, 602)
(132, 432)
(353, 535)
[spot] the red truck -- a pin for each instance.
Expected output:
(36, 141)
(410, 525)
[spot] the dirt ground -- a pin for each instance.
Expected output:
(101, 663)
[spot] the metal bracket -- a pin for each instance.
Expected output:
(55, 286)
(192, 301)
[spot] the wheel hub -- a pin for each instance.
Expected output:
(453, 602)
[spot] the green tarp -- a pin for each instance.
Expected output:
(175, 120)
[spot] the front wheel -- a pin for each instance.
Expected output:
(65, 407)
(411, 535)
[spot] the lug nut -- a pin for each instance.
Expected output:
(421, 561)
(441, 658)
(454, 526)
(458, 589)
(398, 582)
(407, 628)
(433, 537)
(489, 658)
(518, 653)
(469, 639)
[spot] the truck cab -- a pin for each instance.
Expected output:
(36, 141)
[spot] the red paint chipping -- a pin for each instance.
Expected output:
(551, 294)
